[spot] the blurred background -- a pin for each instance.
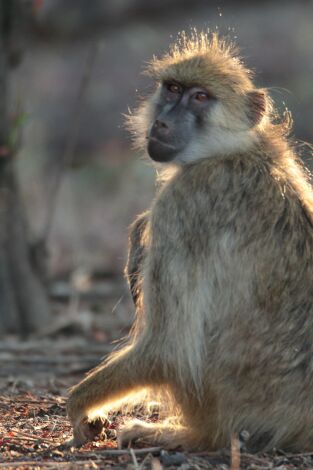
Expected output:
(78, 70)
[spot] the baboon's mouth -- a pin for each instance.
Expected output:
(161, 151)
(161, 142)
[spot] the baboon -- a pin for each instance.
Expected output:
(220, 267)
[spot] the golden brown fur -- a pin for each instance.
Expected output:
(221, 268)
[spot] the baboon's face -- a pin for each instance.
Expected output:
(180, 113)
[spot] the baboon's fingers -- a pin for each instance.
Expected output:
(88, 429)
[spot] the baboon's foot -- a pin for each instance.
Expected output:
(143, 434)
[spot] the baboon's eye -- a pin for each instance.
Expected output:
(174, 88)
(201, 96)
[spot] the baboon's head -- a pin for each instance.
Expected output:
(205, 103)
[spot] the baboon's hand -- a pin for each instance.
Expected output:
(86, 429)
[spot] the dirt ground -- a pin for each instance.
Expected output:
(34, 378)
(35, 375)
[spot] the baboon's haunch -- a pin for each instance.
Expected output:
(220, 267)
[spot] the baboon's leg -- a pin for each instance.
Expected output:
(164, 435)
(153, 434)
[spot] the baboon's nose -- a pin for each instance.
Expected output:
(160, 128)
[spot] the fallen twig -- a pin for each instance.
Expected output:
(134, 458)
(119, 452)
(156, 464)
(235, 452)
(46, 464)
(30, 401)
(23, 437)
(303, 454)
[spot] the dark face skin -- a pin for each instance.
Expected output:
(180, 114)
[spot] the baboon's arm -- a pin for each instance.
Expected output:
(136, 253)
(125, 371)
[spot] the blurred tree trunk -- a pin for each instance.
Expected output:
(24, 307)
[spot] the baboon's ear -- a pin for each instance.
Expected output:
(256, 106)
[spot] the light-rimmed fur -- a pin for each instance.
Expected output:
(221, 270)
